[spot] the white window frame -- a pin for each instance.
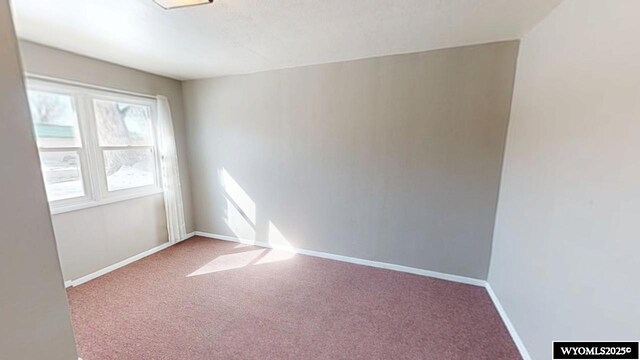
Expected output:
(91, 154)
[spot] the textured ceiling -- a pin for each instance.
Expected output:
(243, 36)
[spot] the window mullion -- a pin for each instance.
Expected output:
(128, 147)
(61, 149)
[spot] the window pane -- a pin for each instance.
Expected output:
(129, 168)
(122, 124)
(62, 175)
(54, 119)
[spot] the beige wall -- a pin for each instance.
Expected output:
(565, 253)
(91, 239)
(94, 238)
(395, 159)
(34, 315)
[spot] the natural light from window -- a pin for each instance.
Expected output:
(95, 146)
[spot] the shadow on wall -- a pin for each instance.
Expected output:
(240, 217)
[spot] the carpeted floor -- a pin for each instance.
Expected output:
(210, 299)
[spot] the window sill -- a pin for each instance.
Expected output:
(86, 205)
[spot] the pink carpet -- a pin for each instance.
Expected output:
(210, 299)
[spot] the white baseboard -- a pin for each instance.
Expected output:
(115, 266)
(120, 264)
(377, 264)
(507, 322)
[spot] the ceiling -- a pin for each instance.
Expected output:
(244, 36)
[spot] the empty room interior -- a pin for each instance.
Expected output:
(289, 179)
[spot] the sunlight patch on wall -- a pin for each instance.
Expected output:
(237, 194)
(241, 220)
(277, 240)
(240, 226)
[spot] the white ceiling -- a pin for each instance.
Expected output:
(243, 36)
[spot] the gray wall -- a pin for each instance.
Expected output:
(91, 239)
(94, 238)
(565, 254)
(395, 159)
(34, 315)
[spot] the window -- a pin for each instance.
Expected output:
(95, 147)
(126, 142)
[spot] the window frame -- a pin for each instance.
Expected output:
(91, 154)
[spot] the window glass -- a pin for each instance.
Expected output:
(95, 146)
(122, 124)
(54, 119)
(129, 168)
(62, 174)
